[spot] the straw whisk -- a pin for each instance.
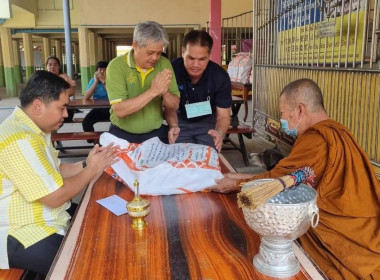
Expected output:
(255, 196)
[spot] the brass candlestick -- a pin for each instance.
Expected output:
(138, 209)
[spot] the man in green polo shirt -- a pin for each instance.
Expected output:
(142, 88)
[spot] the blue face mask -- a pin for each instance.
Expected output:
(285, 128)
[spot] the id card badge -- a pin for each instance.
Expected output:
(198, 109)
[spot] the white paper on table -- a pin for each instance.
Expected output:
(115, 204)
(163, 169)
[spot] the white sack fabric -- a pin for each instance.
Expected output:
(163, 169)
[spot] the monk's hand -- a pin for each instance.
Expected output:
(173, 134)
(100, 158)
(160, 84)
(217, 136)
(225, 185)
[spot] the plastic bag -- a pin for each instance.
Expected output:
(163, 169)
(239, 68)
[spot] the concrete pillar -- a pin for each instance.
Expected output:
(2, 77)
(172, 48)
(109, 51)
(17, 61)
(112, 45)
(92, 52)
(46, 49)
(28, 55)
(105, 50)
(104, 44)
(76, 58)
(9, 73)
(179, 45)
(100, 49)
(216, 30)
(84, 58)
(58, 50)
(168, 49)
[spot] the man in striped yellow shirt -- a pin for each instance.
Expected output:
(35, 188)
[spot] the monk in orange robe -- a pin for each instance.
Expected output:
(346, 242)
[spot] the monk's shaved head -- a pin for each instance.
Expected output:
(303, 91)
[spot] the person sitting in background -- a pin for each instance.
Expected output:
(36, 188)
(53, 65)
(97, 90)
(346, 242)
(142, 88)
(204, 109)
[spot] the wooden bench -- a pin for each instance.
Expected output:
(67, 136)
(58, 137)
(240, 131)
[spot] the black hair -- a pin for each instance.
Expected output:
(57, 60)
(198, 37)
(101, 64)
(43, 85)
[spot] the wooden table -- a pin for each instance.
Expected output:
(235, 108)
(88, 103)
(245, 88)
(189, 236)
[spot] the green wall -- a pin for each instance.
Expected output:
(29, 70)
(2, 76)
(10, 81)
(84, 74)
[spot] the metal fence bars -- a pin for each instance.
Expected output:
(333, 42)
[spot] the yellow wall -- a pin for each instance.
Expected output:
(48, 13)
(29, 5)
(232, 8)
(20, 18)
(163, 11)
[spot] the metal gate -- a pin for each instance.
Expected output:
(333, 42)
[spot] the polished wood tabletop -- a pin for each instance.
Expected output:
(189, 236)
(89, 103)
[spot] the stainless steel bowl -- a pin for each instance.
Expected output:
(282, 219)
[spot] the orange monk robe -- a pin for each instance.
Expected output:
(346, 242)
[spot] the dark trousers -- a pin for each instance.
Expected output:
(196, 131)
(161, 133)
(38, 257)
(94, 116)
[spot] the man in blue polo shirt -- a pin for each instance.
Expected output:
(205, 87)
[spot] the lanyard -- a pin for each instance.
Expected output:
(186, 95)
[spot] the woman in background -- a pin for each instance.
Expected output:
(54, 65)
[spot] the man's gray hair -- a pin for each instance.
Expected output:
(150, 30)
(304, 91)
